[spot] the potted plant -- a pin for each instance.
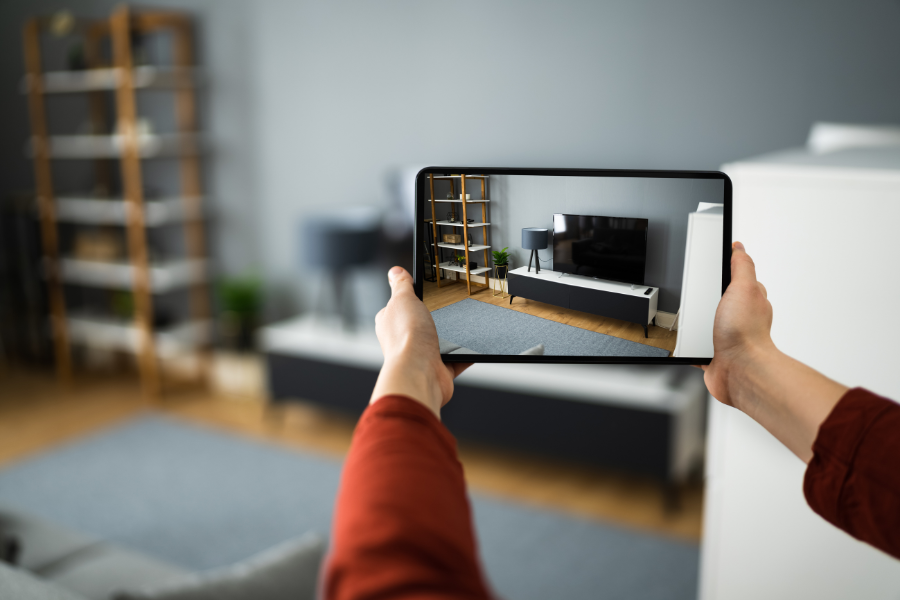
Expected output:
(240, 299)
(501, 261)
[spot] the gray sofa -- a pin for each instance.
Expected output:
(44, 560)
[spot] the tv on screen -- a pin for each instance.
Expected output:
(611, 248)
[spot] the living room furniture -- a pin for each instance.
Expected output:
(54, 562)
(499, 283)
(127, 142)
(642, 420)
(596, 296)
(436, 224)
(821, 229)
(701, 287)
(534, 239)
(335, 244)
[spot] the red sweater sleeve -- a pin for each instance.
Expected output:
(853, 480)
(402, 525)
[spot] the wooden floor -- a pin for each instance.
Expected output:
(36, 414)
(451, 292)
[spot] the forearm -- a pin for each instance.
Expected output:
(402, 525)
(783, 395)
(404, 378)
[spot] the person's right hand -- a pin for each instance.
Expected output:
(742, 328)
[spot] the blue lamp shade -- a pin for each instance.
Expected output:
(535, 238)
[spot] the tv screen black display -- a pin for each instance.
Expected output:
(613, 248)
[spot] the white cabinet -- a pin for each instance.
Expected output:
(823, 231)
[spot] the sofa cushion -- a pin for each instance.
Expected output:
(288, 571)
(19, 584)
(100, 571)
(41, 544)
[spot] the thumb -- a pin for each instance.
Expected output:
(399, 279)
(742, 266)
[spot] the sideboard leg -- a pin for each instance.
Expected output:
(645, 332)
(511, 299)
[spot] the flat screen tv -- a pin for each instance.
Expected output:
(613, 248)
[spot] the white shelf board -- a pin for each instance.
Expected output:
(92, 80)
(102, 211)
(449, 224)
(477, 271)
(117, 275)
(111, 146)
(457, 201)
(472, 248)
(120, 334)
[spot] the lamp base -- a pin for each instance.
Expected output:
(537, 261)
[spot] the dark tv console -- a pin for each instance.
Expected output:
(595, 296)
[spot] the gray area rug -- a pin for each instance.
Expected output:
(202, 498)
(490, 329)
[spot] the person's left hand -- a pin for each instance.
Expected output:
(412, 360)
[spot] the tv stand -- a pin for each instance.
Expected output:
(577, 292)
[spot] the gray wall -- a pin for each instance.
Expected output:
(520, 201)
(314, 104)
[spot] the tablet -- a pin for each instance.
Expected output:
(572, 265)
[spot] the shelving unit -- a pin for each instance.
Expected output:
(464, 225)
(116, 80)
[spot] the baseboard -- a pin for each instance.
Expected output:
(666, 319)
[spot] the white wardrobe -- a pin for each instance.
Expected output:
(824, 231)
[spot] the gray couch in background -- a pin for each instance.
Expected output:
(46, 561)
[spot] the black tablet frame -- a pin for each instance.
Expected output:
(419, 262)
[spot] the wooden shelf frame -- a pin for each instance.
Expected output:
(483, 226)
(129, 147)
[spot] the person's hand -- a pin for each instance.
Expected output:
(741, 333)
(409, 341)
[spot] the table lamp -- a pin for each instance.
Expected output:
(534, 239)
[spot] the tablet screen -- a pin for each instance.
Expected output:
(554, 265)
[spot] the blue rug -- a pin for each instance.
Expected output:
(200, 498)
(490, 329)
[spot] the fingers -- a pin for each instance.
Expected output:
(742, 267)
(458, 368)
(400, 280)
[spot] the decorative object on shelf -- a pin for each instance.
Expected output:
(452, 238)
(240, 300)
(98, 245)
(534, 239)
(473, 265)
(468, 196)
(122, 304)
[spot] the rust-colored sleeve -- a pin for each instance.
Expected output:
(402, 524)
(853, 480)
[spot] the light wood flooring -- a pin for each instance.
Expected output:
(451, 292)
(36, 414)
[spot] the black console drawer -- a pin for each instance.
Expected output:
(609, 304)
(538, 290)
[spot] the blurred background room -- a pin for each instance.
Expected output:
(199, 201)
